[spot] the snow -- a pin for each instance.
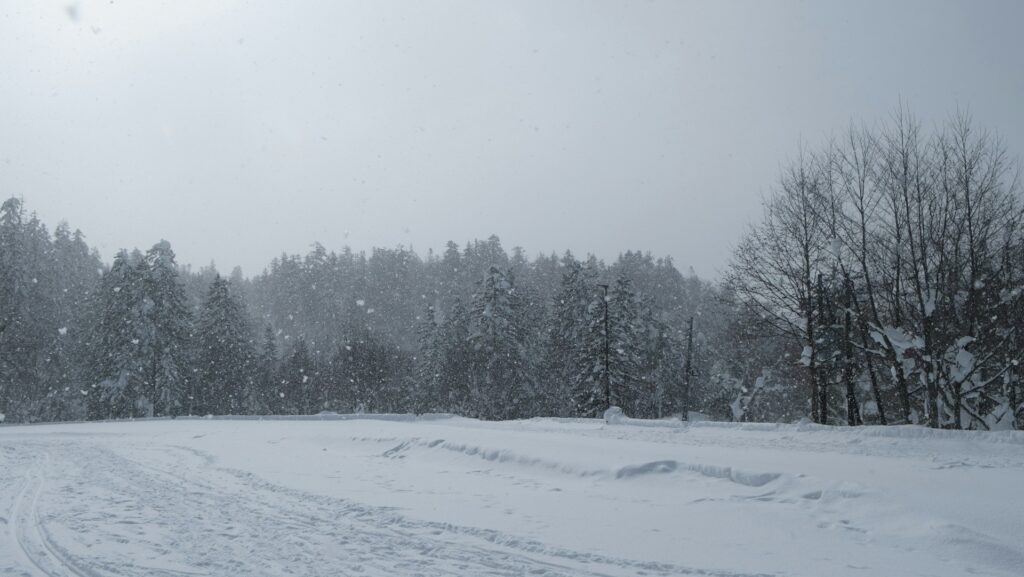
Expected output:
(736, 407)
(929, 303)
(439, 495)
(614, 415)
(963, 360)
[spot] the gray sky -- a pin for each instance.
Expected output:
(241, 129)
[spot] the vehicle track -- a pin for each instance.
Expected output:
(35, 550)
(18, 539)
(433, 539)
(171, 511)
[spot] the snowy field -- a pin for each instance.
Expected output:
(451, 496)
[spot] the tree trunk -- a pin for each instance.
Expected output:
(853, 417)
(822, 384)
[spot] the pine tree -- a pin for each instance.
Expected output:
(224, 354)
(268, 399)
(78, 272)
(504, 379)
(625, 330)
(456, 360)
(116, 368)
(572, 350)
(166, 332)
(664, 368)
(27, 319)
(297, 380)
(424, 387)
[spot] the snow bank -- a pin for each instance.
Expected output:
(439, 495)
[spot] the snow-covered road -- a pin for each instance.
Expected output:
(543, 497)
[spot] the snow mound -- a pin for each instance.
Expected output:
(614, 416)
(716, 472)
(409, 447)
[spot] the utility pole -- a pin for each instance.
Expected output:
(606, 379)
(689, 372)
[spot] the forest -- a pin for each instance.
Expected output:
(882, 285)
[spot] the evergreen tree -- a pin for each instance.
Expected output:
(663, 367)
(165, 332)
(268, 398)
(424, 386)
(373, 373)
(625, 330)
(455, 361)
(78, 270)
(570, 353)
(116, 367)
(503, 371)
(11, 293)
(224, 353)
(28, 323)
(297, 376)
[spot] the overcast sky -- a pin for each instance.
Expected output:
(241, 129)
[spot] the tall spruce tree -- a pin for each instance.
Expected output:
(425, 380)
(570, 353)
(116, 368)
(455, 361)
(60, 366)
(165, 332)
(625, 330)
(297, 376)
(503, 371)
(224, 352)
(267, 399)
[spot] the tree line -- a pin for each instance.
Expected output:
(882, 286)
(474, 331)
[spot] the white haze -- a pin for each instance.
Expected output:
(238, 130)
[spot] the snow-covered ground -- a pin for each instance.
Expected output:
(450, 496)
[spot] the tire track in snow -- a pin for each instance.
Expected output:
(68, 567)
(33, 546)
(16, 534)
(385, 523)
(123, 513)
(379, 532)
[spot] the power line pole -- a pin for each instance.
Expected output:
(689, 372)
(605, 376)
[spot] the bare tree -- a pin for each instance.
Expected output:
(902, 249)
(775, 267)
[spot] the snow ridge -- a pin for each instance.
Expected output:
(661, 467)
